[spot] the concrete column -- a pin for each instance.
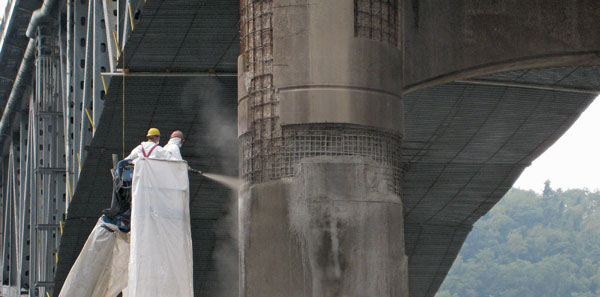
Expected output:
(332, 230)
(320, 122)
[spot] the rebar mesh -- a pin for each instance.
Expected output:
(377, 20)
(303, 141)
(264, 134)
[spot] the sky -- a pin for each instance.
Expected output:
(573, 161)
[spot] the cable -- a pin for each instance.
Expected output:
(123, 106)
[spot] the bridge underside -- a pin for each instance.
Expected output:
(465, 146)
(466, 141)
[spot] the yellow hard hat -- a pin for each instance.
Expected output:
(153, 132)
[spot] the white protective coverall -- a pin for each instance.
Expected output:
(173, 147)
(148, 149)
(161, 262)
(101, 268)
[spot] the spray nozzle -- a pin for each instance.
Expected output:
(194, 171)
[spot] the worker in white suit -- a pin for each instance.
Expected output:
(174, 148)
(150, 148)
(101, 268)
(174, 145)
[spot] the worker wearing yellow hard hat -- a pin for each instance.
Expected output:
(153, 132)
(149, 148)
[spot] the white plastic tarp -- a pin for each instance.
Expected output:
(161, 245)
(101, 268)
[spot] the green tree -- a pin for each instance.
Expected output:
(532, 245)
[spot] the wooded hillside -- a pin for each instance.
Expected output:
(532, 245)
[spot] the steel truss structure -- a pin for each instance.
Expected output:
(71, 44)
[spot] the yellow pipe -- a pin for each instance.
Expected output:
(70, 190)
(104, 84)
(79, 162)
(90, 119)
(130, 16)
(61, 227)
(117, 43)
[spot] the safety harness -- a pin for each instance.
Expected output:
(150, 152)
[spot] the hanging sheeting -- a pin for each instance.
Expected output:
(101, 268)
(161, 243)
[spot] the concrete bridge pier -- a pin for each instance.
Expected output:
(320, 123)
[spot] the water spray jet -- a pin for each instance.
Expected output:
(231, 182)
